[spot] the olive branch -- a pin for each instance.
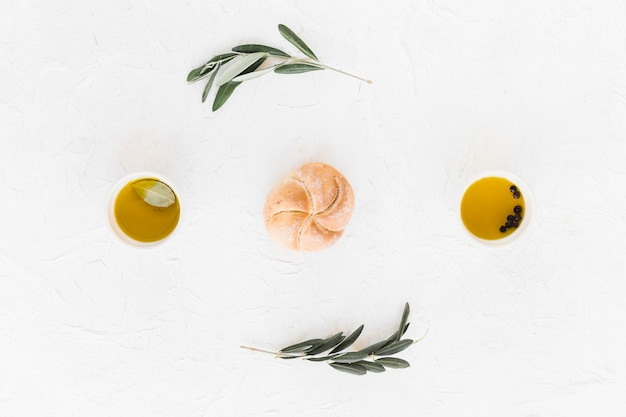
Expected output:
(374, 358)
(245, 63)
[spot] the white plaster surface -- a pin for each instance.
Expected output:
(93, 91)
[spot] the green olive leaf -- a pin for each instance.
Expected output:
(296, 41)
(350, 357)
(394, 363)
(251, 48)
(225, 91)
(350, 368)
(237, 66)
(296, 68)
(223, 94)
(201, 72)
(154, 192)
(222, 57)
(302, 346)
(374, 347)
(205, 93)
(348, 341)
(205, 70)
(371, 366)
(254, 74)
(326, 344)
(323, 358)
(394, 347)
(405, 316)
(379, 345)
(194, 74)
(394, 336)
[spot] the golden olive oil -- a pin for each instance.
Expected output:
(487, 205)
(141, 221)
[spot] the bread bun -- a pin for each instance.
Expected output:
(309, 208)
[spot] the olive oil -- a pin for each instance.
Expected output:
(141, 221)
(492, 208)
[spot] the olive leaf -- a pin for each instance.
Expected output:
(251, 48)
(225, 91)
(154, 192)
(348, 341)
(350, 368)
(223, 94)
(394, 336)
(394, 363)
(394, 347)
(205, 93)
(323, 358)
(350, 357)
(296, 41)
(194, 74)
(222, 58)
(238, 66)
(255, 74)
(203, 71)
(302, 346)
(374, 347)
(296, 68)
(326, 344)
(371, 366)
(379, 345)
(405, 316)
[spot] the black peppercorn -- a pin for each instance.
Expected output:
(503, 229)
(513, 188)
(517, 209)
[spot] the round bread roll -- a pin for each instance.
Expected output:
(309, 208)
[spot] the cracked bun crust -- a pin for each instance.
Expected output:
(309, 208)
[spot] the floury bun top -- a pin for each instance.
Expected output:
(309, 208)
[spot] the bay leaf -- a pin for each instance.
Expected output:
(154, 192)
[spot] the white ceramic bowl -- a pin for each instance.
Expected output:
(115, 228)
(529, 208)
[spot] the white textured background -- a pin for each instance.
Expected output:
(92, 91)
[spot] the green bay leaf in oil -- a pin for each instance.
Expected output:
(154, 192)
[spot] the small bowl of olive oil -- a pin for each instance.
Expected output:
(143, 209)
(496, 208)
